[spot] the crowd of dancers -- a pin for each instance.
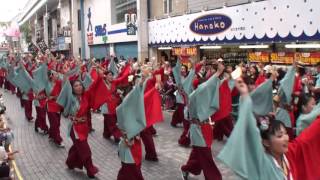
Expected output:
(269, 114)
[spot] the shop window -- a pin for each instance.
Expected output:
(122, 7)
(167, 6)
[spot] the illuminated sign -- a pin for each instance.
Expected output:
(210, 24)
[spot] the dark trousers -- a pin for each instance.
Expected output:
(200, 159)
(130, 171)
(1, 81)
(28, 109)
(79, 156)
(110, 126)
(178, 115)
(223, 128)
(89, 120)
(147, 139)
(54, 129)
(41, 119)
(184, 139)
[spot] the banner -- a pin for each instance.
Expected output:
(185, 51)
(259, 57)
(42, 45)
(308, 58)
(33, 48)
(282, 57)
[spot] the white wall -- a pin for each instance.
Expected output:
(76, 34)
(101, 14)
(65, 13)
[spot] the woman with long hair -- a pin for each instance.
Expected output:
(75, 99)
(266, 152)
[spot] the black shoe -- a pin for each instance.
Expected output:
(152, 159)
(184, 174)
(116, 140)
(91, 176)
(36, 129)
(45, 132)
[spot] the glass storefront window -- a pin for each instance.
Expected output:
(122, 7)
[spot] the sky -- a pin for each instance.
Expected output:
(10, 8)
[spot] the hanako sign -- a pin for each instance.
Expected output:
(211, 24)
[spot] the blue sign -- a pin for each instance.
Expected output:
(61, 40)
(100, 30)
(210, 24)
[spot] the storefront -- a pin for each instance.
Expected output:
(243, 32)
(106, 31)
(126, 49)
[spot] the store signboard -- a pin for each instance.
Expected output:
(67, 40)
(311, 58)
(210, 24)
(259, 57)
(260, 22)
(42, 45)
(33, 48)
(185, 51)
(282, 57)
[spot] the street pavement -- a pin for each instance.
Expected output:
(40, 159)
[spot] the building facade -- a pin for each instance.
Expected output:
(215, 29)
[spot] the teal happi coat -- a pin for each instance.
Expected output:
(184, 83)
(262, 98)
(131, 112)
(285, 94)
(21, 79)
(244, 152)
(113, 68)
(304, 120)
(40, 76)
(203, 102)
(318, 81)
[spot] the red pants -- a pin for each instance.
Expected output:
(10, 87)
(110, 126)
(28, 109)
(41, 119)
(54, 129)
(89, 120)
(178, 115)
(80, 156)
(223, 128)
(1, 81)
(153, 130)
(147, 139)
(200, 159)
(130, 171)
(184, 139)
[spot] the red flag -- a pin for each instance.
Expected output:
(97, 92)
(225, 102)
(261, 78)
(122, 79)
(94, 74)
(152, 104)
